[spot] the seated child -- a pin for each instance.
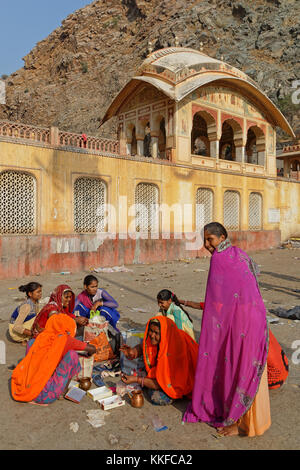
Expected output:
(24, 315)
(93, 299)
(170, 307)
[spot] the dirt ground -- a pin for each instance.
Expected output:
(28, 427)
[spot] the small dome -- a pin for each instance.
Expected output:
(175, 64)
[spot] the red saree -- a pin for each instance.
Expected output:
(54, 306)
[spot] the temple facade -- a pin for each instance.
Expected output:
(196, 143)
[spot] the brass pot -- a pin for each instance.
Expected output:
(137, 398)
(85, 383)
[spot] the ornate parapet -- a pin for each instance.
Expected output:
(16, 130)
(56, 138)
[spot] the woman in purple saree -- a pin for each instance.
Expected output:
(231, 389)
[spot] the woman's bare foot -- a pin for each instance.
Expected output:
(39, 404)
(229, 430)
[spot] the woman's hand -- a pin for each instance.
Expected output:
(27, 332)
(97, 304)
(81, 321)
(128, 379)
(90, 349)
(129, 352)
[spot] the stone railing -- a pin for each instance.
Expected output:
(294, 174)
(98, 144)
(54, 137)
(22, 131)
(292, 148)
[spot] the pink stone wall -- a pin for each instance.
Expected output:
(27, 256)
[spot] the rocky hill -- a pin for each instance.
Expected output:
(70, 78)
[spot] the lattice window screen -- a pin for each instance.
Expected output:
(17, 203)
(232, 210)
(255, 211)
(147, 214)
(204, 207)
(89, 205)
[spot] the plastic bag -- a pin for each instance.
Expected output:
(103, 348)
(86, 364)
(92, 329)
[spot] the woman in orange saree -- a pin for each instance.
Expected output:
(170, 357)
(50, 363)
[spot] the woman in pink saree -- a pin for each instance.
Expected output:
(231, 388)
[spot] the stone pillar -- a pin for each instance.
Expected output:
(240, 154)
(128, 148)
(154, 144)
(54, 136)
(261, 156)
(286, 167)
(214, 148)
(140, 146)
(240, 144)
(261, 152)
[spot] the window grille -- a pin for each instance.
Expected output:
(255, 211)
(17, 203)
(89, 205)
(146, 203)
(204, 207)
(232, 210)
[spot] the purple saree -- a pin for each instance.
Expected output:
(233, 345)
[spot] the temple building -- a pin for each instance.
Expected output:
(196, 143)
(290, 156)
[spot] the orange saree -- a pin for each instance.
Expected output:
(33, 372)
(172, 363)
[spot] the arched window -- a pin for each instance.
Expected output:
(232, 210)
(146, 204)
(17, 203)
(89, 205)
(204, 207)
(147, 141)
(251, 149)
(162, 139)
(227, 146)
(199, 137)
(255, 211)
(133, 143)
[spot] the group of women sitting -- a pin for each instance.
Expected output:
(226, 376)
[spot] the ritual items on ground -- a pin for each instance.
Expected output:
(75, 394)
(99, 393)
(137, 398)
(85, 383)
(111, 402)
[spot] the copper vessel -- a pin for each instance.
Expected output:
(85, 383)
(137, 398)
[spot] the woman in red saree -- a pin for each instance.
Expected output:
(62, 300)
(170, 357)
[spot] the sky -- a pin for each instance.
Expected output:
(23, 23)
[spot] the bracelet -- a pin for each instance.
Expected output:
(185, 303)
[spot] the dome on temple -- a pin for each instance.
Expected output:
(178, 71)
(175, 64)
